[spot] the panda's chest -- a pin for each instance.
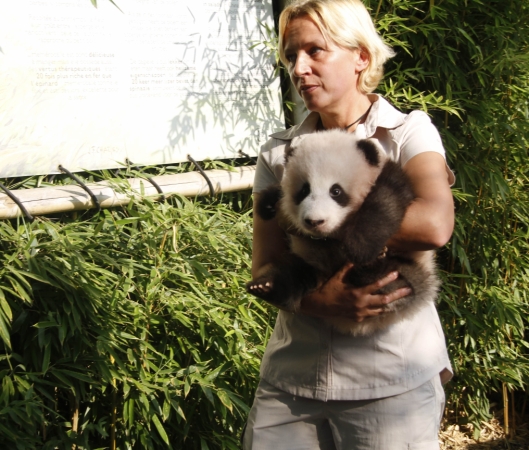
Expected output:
(324, 254)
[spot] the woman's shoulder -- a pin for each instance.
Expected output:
(272, 150)
(400, 126)
(269, 169)
(391, 118)
(307, 126)
(417, 122)
(418, 117)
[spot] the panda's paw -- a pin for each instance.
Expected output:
(262, 288)
(275, 293)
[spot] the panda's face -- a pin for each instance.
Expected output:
(327, 177)
(320, 206)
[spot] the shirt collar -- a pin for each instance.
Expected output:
(382, 114)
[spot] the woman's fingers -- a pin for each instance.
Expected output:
(377, 303)
(399, 293)
(393, 296)
(392, 276)
(357, 303)
(343, 271)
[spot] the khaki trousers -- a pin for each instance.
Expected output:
(409, 421)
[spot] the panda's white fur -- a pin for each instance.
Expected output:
(343, 166)
(339, 201)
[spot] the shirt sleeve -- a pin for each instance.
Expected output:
(265, 175)
(419, 135)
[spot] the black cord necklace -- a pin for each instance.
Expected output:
(363, 116)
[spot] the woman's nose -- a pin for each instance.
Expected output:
(301, 66)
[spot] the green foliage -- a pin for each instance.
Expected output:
(131, 327)
(466, 63)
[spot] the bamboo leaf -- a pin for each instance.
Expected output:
(187, 387)
(208, 393)
(160, 428)
(166, 410)
(178, 409)
(203, 444)
(4, 332)
(5, 306)
(225, 399)
(77, 375)
(46, 357)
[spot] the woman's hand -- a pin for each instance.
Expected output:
(338, 299)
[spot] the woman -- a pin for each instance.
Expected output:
(319, 388)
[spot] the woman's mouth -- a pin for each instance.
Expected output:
(307, 89)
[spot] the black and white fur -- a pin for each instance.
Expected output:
(340, 200)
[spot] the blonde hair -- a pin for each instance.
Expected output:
(346, 23)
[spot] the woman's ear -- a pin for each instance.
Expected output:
(362, 60)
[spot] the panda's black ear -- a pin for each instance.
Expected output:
(266, 206)
(370, 151)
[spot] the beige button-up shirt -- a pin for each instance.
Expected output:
(308, 358)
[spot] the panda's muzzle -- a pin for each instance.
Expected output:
(312, 224)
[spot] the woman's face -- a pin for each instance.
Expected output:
(324, 74)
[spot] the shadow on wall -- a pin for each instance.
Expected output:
(91, 88)
(232, 93)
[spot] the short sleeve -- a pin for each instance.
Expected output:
(419, 135)
(266, 172)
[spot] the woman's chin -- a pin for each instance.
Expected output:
(314, 104)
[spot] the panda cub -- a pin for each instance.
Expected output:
(340, 200)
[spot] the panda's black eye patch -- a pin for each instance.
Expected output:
(339, 195)
(302, 193)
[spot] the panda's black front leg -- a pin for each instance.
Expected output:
(285, 284)
(366, 232)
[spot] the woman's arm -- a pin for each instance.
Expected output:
(269, 242)
(429, 220)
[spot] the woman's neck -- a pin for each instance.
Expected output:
(349, 118)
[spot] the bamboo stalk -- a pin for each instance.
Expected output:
(44, 434)
(74, 405)
(114, 411)
(524, 405)
(506, 410)
(378, 9)
(118, 192)
(114, 417)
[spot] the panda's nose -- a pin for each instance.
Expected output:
(314, 223)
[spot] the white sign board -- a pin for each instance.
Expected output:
(89, 88)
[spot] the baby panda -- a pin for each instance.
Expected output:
(340, 200)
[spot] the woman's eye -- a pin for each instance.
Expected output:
(314, 51)
(291, 58)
